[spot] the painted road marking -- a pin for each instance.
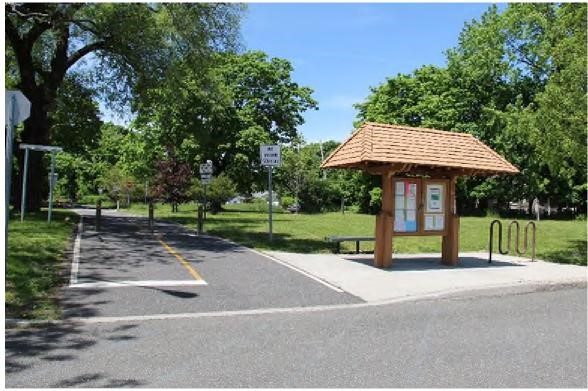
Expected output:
(529, 287)
(146, 283)
(75, 263)
(182, 260)
(317, 279)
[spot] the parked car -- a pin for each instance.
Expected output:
(294, 208)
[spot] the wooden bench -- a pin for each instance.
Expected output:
(356, 239)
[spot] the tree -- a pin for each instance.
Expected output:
(300, 176)
(76, 119)
(117, 185)
(517, 81)
(226, 111)
(173, 180)
(132, 45)
(220, 190)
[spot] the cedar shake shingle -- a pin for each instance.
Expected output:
(375, 144)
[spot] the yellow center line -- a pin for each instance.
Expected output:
(182, 260)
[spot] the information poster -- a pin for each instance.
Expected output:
(435, 198)
(405, 201)
(434, 222)
(439, 222)
(429, 222)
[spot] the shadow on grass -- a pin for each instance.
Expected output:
(280, 242)
(36, 251)
(573, 254)
(241, 230)
(211, 220)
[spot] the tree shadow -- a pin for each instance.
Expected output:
(60, 342)
(96, 380)
(280, 241)
(574, 253)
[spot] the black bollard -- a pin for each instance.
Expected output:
(151, 216)
(200, 220)
(98, 214)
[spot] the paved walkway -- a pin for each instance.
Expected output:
(124, 270)
(420, 275)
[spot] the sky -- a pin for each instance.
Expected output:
(341, 50)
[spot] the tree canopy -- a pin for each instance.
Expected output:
(132, 45)
(517, 81)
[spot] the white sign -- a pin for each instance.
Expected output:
(270, 155)
(206, 168)
(21, 109)
(435, 198)
(205, 174)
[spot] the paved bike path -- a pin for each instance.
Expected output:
(178, 272)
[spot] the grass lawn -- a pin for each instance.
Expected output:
(35, 254)
(557, 241)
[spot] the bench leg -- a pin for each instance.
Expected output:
(357, 247)
(338, 248)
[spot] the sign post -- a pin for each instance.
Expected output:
(52, 175)
(52, 180)
(270, 156)
(205, 178)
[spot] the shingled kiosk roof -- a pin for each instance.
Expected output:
(405, 149)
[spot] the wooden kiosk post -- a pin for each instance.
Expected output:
(450, 241)
(384, 221)
(419, 169)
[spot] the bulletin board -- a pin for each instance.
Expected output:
(421, 206)
(406, 201)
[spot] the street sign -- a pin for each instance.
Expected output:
(16, 107)
(206, 168)
(270, 155)
(205, 178)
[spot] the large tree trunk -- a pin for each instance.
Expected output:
(36, 131)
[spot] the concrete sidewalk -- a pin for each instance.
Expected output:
(418, 275)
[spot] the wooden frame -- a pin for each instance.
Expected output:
(421, 197)
(386, 218)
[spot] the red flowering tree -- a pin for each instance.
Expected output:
(173, 180)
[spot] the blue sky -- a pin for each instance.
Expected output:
(340, 50)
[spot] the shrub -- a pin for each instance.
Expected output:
(287, 201)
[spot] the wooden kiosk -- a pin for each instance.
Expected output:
(419, 169)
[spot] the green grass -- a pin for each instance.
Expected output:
(35, 254)
(557, 241)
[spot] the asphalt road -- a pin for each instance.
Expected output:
(505, 339)
(237, 279)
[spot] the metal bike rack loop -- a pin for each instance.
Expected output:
(509, 239)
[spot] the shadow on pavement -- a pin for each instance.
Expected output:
(62, 343)
(432, 263)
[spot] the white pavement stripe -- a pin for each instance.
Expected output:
(266, 311)
(291, 310)
(146, 283)
(75, 263)
(267, 256)
(329, 285)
